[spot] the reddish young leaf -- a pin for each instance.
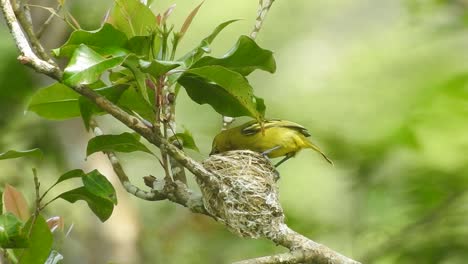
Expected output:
(15, 203)
(168, 13)
(55, 222)
(189, 19)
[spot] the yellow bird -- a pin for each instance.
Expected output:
(278, 138)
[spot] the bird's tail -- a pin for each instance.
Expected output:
(314, 147)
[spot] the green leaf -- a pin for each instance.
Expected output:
(125, 142)
(228, 92)
(132, 63)
(204, 46)
(40, 241)
(86, 66)
(88, 109)
(245, 57)
(157, 68)
(186, 139)
(133, 18)
(101, 207)
(56, 102)
(11, 232)
(70, 175)
(140, 45)
(97, 184)
(131, 100)
(15, 203)
(13, 154)
(106, 41)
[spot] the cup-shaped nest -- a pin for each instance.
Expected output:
(243, 194)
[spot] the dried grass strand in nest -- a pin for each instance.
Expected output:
(244, 196)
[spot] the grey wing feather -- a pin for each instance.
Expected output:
(254, 127)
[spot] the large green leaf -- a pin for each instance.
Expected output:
(40, 241)
(245, 57)
(56, 102)
(59, 102)
(157, 68)
(106, 41)
(88, 109)
(125, 142)
(86, 66)
(133, 18)
(13, 154)
(228, 92)
(204, 46)
(131, 100)
(132, 63)
(97, 184)
(11, 232)
(101, 207)
(140, 45)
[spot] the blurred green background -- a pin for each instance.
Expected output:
(381, 85)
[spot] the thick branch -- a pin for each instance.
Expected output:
(317, 253)
(285, 258)
(27, 55)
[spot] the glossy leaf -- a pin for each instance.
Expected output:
(97, 184)
(40, 241)
(245, 57)
(132, 63)
(70, 175)
(106, 41)
(11, 232)
(13, 154)
(125, 142)
(101, 207)
(204, 46)
(157, 68)
(133, 18)
(56, 102)
(88, 109)
(226, 91)
(15, 203)
(131, 101)
(186, 139)
(140, 45)
(86, 66)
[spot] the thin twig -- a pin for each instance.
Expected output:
(24, 17)
(122, 176)
(47, 22)
(263, 8)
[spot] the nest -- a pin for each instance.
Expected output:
(243, 194)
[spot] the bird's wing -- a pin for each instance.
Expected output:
(254, 127)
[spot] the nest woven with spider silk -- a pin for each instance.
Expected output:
(244, 195)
